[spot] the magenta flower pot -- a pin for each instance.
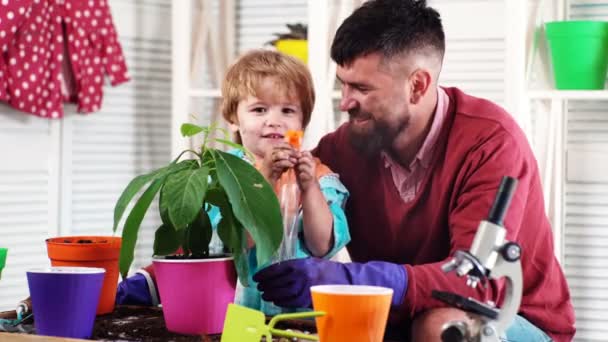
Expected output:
(195, 293)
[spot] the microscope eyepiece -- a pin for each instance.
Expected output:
(502, 200)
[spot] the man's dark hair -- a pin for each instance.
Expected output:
(390, 27)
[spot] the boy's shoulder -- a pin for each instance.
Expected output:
(237, 152)
(328, 178)
(322, 169)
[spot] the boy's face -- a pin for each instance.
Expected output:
(262, 121)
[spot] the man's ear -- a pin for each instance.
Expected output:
(420, 81)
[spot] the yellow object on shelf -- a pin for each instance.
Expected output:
(294, 47)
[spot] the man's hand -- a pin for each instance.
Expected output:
(288, 283)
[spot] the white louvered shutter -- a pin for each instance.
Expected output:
(586, 209)
(28, 196)
(131, 134)
(63, 177)
(257, 20)
(474, 58)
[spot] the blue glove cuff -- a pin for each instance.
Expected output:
(136, 290)
(400, 288)
(387, 274)
(152, 290)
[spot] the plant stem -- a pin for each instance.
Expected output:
(207, 133)
(184, 151)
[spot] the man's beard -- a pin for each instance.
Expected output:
(374, 139)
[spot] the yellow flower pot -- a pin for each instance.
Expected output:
(294, 47)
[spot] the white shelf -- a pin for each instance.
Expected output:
(568, 94)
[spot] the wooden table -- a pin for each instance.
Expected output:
(11, 337)
(139, 323)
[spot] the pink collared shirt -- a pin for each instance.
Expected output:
(408, 180)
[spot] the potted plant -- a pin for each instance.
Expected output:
(196, 287)
(90, 251)
(293, 43)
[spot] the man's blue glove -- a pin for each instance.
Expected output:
(134, 291)
(288, 283)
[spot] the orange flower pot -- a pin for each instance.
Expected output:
(90, 251)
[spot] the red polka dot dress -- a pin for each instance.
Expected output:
(46, 43)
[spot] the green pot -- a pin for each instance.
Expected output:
(579, 53)
(3, 252)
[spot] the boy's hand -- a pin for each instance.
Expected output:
(277, 161)
(306, 171)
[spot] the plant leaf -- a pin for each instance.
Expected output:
(200, 234)
(138, 182)
(166, 240)
(189, 129)
(242, 266)
(163, 208)
(186, 164)
(130, 191)
(185, 239)
(133, 221)
(129, 233)
(183, 195)
(228, 226)
(232, 233)
(253, 201)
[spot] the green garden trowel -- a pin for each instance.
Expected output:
(3, 252)
(247, 325)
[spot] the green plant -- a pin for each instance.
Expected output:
(188, 190)
(296, 31)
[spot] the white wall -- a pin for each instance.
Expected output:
(62, 177)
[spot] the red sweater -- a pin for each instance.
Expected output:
(478, 145)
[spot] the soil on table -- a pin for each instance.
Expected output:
(139, 323)
(144, 323)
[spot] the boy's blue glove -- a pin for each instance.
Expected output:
(134, 291)
(288, 283)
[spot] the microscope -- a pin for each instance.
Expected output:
(491, 256)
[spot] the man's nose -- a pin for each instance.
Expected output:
(346, 102)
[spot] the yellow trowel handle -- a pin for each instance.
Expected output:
(296, 315)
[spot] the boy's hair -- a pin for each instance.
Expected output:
(390, 27)
(243, 78)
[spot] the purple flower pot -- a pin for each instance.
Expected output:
(64, 300)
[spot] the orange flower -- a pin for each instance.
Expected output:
(294, 138)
